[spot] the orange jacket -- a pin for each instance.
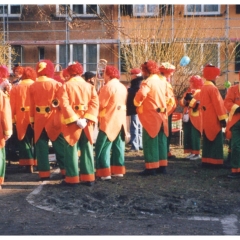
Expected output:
(232, 102)
(42, 113)
(151, 103)
(78, 99)
(6, 118)
(213, 110)
(195, 116)
(112, 108)
(20, 104)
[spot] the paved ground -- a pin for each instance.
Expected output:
(26, 211)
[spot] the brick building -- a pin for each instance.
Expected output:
(87, 33)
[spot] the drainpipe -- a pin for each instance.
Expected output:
(226, 40)
(119, 47)
(67, 40)
(3, 30)
(172, 39)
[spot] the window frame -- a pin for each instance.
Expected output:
(145, 13)
(58, 14)
(9, 14)
(84, 63)
(186, 13)
(202, 49)
(41, 52)
(19, 59)
(237, 58)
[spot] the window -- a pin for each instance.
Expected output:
(63, 55)
(16, 54)
(91, 57)
(237, 9)
(202, 9)
(204, 53)
(10, 10)
(86, 54)
(145, 10)
(77, 10)
(166, 10)
(41, 53)
(237, 57)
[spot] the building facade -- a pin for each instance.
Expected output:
(88, 33)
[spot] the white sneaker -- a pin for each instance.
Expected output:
(196, 157)
(117, 175)
(106, 178)
(190, 155)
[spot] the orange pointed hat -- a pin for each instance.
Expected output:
(211, 72)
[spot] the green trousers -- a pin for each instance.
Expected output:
(83, 171)
(212, 151)
(110, 155)
(235, 147)
(2, 165)
(27, 154)
(155, 150)
(170, 132)
(42, 151)
(191, 138)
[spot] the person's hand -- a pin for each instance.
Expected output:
(81, 122)
(237, 110)
(196, 107)
(188, 97)
(6, 137)
(223, 123)
(127, 137)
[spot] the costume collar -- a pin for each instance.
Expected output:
(207, 82)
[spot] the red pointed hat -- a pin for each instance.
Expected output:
(196, 81)
(19, 68)
(135, 71)
(75, 68)
(29, 73)
(3, 72)
(211, 72)
(45, 68)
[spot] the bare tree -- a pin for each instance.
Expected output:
(6, 53)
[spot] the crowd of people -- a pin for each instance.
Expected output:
(37, 108)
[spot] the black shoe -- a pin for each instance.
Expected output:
(234, 175)
(206, 165)
(148, 172)
(171, 157)
(131, 150)
(89, 184)
(44, 178)
(227, 165)
(64, 183)
(29, 169)
(161, 170)
(212, 166)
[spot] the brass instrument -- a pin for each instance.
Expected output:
(100, 74)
